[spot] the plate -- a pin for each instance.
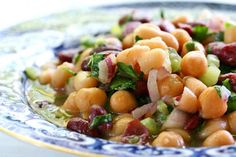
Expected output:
(36, 41)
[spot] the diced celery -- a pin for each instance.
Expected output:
(31, 73)
(175, 60)
(228, 24)
(116, 30)
(87, 41)
(210, 77)
(151, 125)
(100, 41)
(213, 60)
(162, 107)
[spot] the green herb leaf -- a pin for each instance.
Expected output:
(137, 38)
(162, 14)
(93, 63)
(142, 100)
(121, 83)
(227, 84)
(218, 90)
(98, 120)
(76, 58)
(190, 46)
(231, 103)
(219, 36)
(127, 71)
(200, 33)
(69, 71)
(31, 73)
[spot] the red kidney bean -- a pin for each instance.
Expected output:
(134, 16)
(232, 79)
(67, 55)
(141, 88)
(192, 123)
(228, 54)
(186, 27)
(96, 111)
(225, 52)
(135, 128)
(84, 65)
(130, 27)
(82, 126)
(166, 25)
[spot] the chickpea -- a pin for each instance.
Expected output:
(46, 76)
(194, 64)
(171, 86)
(86, 97)
(83, 55)
(231, 121)
(84, 80)
(188, 101)
(128, 41)
(169, 39)
(153, 43)
(196, 47)
(183, 133)
(122, 102)
(182, 36)
(120, 125)
(229, 36)
(212, 126)
(211, 105)
(168, 139)
(130, 56)
(60, 76)
(154, 59)
(70, 106)
(180, 19)
(115, 138)
(219, 138)
(147, 31)
(195, 85)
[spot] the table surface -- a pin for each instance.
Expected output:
(25, 10)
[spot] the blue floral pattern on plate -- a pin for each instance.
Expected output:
(31, 46)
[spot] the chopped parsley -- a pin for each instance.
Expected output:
(98, 120)
(200, 33)
(93, 64)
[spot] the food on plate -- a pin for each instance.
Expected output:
(160, 82)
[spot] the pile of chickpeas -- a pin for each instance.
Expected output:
(151, 53)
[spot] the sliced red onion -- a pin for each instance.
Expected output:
(152, 85)
(225, 93)
(107, 69)
(176, 119)
(162, 73)
(141, 111)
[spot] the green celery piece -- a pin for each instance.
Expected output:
(151, 125)
(213, 60)
(116, 30)
(210, 77)
(162, 107)
(175, 60)
(31, 73)
(69, 71)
